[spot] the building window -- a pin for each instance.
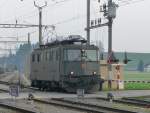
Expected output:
(46, 58)
(57, 55)
(33, 58)
(51, 55)
(38, 57)
(42, 57)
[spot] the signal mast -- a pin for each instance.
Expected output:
(109, 12)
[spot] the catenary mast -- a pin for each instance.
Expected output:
(109, 11)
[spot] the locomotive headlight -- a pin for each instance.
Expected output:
(94, 73)
(72, 73)
(83, 50)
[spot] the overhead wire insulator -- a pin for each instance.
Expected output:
(104, 7)
(101, 9)
(95, 22)
(112, 10)
(92, 23)
(99, 21)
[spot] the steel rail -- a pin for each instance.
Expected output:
(83, 106)
(21, 109)
(128, 101)
(137, 102)
(99, 107)
(4, 91)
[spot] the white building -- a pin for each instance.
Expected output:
(147, 68)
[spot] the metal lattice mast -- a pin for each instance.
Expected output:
(88, 22)
(40, 20)
(109, 11)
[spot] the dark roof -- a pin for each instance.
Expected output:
(148, 64)
(65, 42)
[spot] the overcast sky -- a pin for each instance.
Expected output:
(131, 28)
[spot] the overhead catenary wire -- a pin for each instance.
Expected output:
(68, 20)
(129, 2)
(80, 16)
(26, 15)
(32, 13)
(64, 21)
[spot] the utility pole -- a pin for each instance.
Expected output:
(88, 22)
(110, 21)
(109, 11)
(28, 38)
(40, 20)
(111, 14)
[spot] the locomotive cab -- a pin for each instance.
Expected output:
(81, 68)
(81, 61)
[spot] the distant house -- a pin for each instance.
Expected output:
(147, 68)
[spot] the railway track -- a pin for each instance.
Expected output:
(82, 106)
(22, 88)
(130, 101)
(4, 87)
(17, 108)
(137, 102)
(6, 83)
(4, 91)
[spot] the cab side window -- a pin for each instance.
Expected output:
(50, 55)
(46, 56)
(33, 57)
(57, 55)
(38, 57)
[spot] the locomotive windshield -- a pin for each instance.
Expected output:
(77, 55)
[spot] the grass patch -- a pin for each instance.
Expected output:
(137, 86)
(137, 76)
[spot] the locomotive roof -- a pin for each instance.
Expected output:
(68, 43)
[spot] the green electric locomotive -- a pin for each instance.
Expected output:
(69, 64)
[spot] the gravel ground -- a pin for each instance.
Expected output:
(45, 108)
(22, 103)
(4, 110)
(53, 109)
(36, 106)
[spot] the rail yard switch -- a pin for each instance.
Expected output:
(14, 90)
(110, 97)
(30, 96)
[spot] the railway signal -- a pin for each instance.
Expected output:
(112, 59)
(126, 60)
(109, 12)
